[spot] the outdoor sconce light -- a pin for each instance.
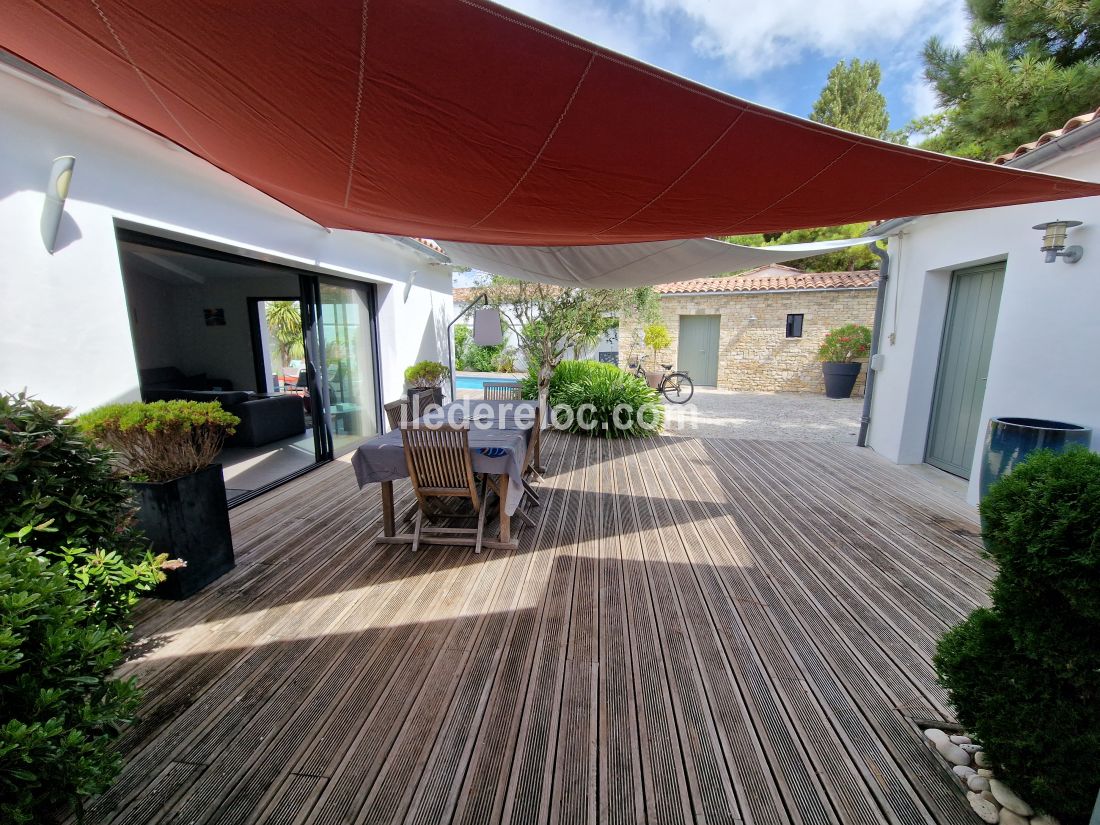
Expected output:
(57, 191)
(1054, 242)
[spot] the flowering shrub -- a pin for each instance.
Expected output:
(845, 344)
(72, 564)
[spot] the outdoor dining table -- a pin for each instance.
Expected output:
(499, 434)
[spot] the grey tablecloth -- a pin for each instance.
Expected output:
(499, 432)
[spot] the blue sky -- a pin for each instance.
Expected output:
(774, 52)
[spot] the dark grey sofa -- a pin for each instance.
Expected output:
(263, 418)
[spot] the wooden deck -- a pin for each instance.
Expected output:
(697, 630)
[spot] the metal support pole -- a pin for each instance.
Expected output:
(483, 298)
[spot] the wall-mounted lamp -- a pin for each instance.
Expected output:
(61, 175)
(1054, 242)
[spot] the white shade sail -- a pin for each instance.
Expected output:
(613, 266)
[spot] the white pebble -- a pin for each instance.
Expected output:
(970, 748)
(986, 772)
(977, 783)
(935, 735)
(1008, 798)
(982, 760)
(983, 807)
(1010, 817)
(953, 753)
(1045, 819)
(961, 740)
(963, 771)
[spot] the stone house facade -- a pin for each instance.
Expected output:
(762, 344)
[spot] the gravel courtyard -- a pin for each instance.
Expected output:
(763, 415)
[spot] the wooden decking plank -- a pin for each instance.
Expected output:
(249, 729)
(796, 722)
(909, 519)
(690, 632)
(764, 774)
(907, 567)
(620, 794)
(891, 750)
(839, 607)
(873, 598)
(530, 783)
(746, 755)
(907, 507)
(786, 606)
(356, 765)
(482, 796)
(573, 793)
(665, 783)
(715, 787)
(352, 656)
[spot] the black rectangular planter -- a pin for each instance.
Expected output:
(187, 518)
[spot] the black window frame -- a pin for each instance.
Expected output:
(795, 322)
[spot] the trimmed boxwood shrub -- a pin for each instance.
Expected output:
(1024, 676)
(72, 565)
(588, 395)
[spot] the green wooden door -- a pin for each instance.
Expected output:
(697, 350)
(964, 363)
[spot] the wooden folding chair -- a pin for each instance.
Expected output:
(421, 402)
(439, 463)
(396, 412)
(502, 391)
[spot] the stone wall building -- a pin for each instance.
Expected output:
(759, 331)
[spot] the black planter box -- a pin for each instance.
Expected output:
(436, 396)
(840, 378)
(187, 518)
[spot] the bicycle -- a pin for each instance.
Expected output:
(675, 386)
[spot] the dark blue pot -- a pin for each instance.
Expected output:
(1009, 441)
(840, 378)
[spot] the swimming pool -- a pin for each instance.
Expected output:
(477, 382)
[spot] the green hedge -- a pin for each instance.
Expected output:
(587, 396)
(1024, 676)
(72, 565)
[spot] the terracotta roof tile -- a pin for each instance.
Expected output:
(766, 279)
(770, 278)
(1047, 137)
(432, 245)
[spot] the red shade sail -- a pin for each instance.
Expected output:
(460, 120)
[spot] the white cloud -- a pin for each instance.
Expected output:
(751, 40)
(777, 33)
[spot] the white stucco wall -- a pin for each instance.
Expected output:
(1047, 339)
(65, 334)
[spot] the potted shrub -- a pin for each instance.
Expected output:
(167, 448)
(657, 338)
(839, 351)
(427, 375)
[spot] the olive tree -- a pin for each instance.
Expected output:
(550, 320)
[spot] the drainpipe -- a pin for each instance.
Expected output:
(880, 300)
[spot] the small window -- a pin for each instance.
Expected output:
(794, 326)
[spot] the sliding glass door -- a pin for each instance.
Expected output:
(339, 344)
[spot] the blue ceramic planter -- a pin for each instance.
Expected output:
(1009, 441)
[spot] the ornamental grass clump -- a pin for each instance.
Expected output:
(599, 399)
(845, 344)
(72, 565)
(427, 374)
(1024, 675)
(162, 440)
